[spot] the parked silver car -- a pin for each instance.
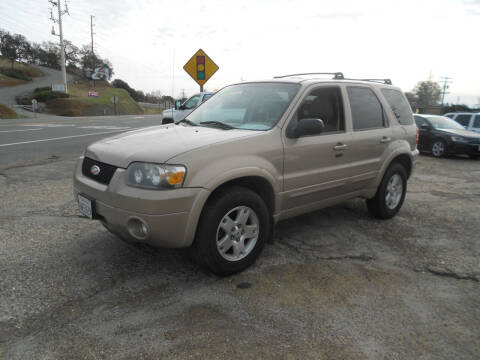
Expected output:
(182, 110)
(254, 154)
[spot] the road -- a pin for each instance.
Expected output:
(51, 138)
(335, 284)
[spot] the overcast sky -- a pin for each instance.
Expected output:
(148, 40)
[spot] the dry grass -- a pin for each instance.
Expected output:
(6, 81)
(22, 68)
(7, 113)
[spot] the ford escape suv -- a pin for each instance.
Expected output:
(254, 154)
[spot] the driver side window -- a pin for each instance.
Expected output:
(192, 102)
(324, 103)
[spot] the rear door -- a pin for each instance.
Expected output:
(463, 119)
(372, 135)
(476, 123)
(425, 137)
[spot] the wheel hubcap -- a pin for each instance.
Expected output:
(438, 148)
(237, 233)
(394, 191)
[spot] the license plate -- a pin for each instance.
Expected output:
(85, 206)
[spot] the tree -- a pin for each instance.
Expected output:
(10, 46)
(427, 93)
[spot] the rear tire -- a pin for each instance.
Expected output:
(390, 194)
(232, 231)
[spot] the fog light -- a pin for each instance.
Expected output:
(138, 229)
(144, 229)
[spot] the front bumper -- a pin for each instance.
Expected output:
(463, 148)
(170, 216)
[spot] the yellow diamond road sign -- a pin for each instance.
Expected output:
(200, 67)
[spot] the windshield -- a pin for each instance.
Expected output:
(252, 106)
(442, 122)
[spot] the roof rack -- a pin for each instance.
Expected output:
(381, 81)
(337, 76)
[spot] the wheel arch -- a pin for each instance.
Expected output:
(257, 182)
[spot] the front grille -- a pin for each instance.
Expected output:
(105, 174)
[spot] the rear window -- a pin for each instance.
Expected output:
(399, 106)
(367, 112)
(476, 122)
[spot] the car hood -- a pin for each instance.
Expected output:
(459, 132)
(158, 144)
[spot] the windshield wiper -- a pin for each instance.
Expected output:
(218, 124)
(189, 122)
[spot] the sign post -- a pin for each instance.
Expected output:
(114, 100)
(201, 68)
(34, 107)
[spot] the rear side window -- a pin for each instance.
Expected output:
(367, 112)
(420, 121)
(399, 106)
(463, 119)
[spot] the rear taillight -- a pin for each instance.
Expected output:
(418, 136)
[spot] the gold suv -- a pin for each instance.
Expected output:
(255, 153)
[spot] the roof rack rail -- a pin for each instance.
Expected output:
(381, 81)
(336, 75)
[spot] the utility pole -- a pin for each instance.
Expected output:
(93, 54)
(446, 81)
(58, 4)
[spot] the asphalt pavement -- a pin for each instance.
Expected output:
(335, 284)
(50, 138)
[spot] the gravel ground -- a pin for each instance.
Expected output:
(336, 284)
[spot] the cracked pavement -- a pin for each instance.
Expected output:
(335, 284)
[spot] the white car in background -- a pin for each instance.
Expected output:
(469, 120)
(181, 111)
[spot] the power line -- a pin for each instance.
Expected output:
(446, 81)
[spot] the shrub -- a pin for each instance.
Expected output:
(45, 88)
(24, 100)
(15, 74)
(44, 96)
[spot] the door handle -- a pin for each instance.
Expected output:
(340, 147)
(385, 140)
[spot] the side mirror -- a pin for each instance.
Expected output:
(178, 104)
(425, 127)
(307, 127)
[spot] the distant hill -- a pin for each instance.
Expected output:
(80, 104)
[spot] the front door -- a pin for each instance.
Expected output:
(316, 167)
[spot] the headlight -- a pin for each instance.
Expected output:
(155, 176)
(458, 139)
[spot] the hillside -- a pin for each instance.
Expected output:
(80, 104)
(21, 74)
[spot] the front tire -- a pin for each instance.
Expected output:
(473, 156)
(390, 194)
(439, 148)
(233, 229)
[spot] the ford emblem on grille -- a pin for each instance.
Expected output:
(95, 170)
